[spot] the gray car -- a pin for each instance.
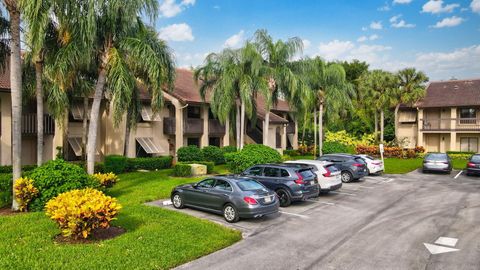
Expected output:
(352, 167)
(437, 162)
(233, 197)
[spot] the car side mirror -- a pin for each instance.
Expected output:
(195, 185)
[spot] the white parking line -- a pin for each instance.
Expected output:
(341, 192)
(293, 214)
(365, 187)
(458, 174)
(327, 203)
(387, 181)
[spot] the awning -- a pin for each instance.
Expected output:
(147, 114)
(149, 145)
(76, 144)
(77, 111)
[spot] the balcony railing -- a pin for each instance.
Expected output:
(450, 124)
(215, 127)
(29, 124)
(191, 126)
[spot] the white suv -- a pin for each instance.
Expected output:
(329, 177)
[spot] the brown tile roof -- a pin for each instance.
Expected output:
(274, 118)
(451, 94)
(5, 78)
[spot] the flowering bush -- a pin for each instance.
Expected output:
(346, 139)
(106, 179)
(24, 192)
(396, 152)
(78, 212)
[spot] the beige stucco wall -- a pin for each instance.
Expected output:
(6, 125)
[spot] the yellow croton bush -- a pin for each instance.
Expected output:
(106, 179)
(24, 192)
(79, 212)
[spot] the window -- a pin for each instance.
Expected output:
(284, 173)
(469, 144)
(214, 141)
(306, 173)
(407, 117)
(468, 113)
(223, 185)
(249, 185)
(149, 145)
(193, 112)
(193, 141)
(257, 171)
(208, 183)
(270, 172)
(147, 114)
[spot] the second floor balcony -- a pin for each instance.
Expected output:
(450, 124)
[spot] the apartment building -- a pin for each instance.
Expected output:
(185, 120)
(446, 119)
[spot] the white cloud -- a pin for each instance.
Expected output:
(396, 22)
(375, 55)
(373, 37)
(436, 6)
(402, 1)
(170, 8)
(475, 5)
(362, 39)
(176, 32)
(448, 22)
(335, 49)
(235, 40)
(385, 7)
(366, 38)
(376, 25)
(306, 44)
(364, 28)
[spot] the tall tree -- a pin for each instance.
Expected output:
(380, 88)
(411, 88)
(283, 81)
(333, 93)
(16, 91)
(232, 78)
(126, 50)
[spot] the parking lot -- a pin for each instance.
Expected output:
(411, 221)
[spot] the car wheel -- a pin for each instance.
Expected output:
(368, 171)
(177, 201)
(230, 213)
(346, 177)
(284, 198)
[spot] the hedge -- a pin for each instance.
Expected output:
(182, 170)
(9, 169)
(150, 163)
(115, 163)
(253, 154)
(189, 153)
(229, 149)
(395, 152)
(336, 147)
(292, 153)
(214, 154)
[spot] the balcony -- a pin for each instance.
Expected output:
(450, 124)
(29, 124)
(215, 127)
(291, 128)
(191, 126)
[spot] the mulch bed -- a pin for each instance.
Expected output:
(96, 236)
(8, 212)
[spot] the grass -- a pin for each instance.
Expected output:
(155, 238)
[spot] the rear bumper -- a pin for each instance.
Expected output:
(259, 210)
(359, 174)
(437, 169)
(473, 170)
(376, 169)
(305, 195)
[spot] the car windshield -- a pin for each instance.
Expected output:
(249, 185)
(475, 158)
(436, 157)
(360, 160)
(332, 168)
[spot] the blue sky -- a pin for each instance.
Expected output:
(439, 37)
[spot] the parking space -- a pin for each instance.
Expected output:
(411, 221)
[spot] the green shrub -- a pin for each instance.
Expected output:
(189, 153)
(460, 152)
(463, 156)
(229, 149)
(55, 177)
(292, 153)
(149, 163)
(99, 167)
(9, 169)
(214, 154)
(182, 170)
(336, 147)
(253, 154)
(116, 164)
(230, 156)
(5, 182)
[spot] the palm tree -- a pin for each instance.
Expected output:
(283, 82)
(16, 91)
(126, 50)
(233, 78)
(332, 91)
(380, 88)
(411, 89)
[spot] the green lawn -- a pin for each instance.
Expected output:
(155, 238)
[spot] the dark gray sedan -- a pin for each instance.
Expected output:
(437, 162)
(232, 196)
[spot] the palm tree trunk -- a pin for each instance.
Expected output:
(237, 122)
(266, 126)
(242, 124)
(320, 129)
(304, 128)
(376, 125)
(127, 137)
(315, 132)
(39, 94)
(94, 115)
(16, 93)
(396, 120)
(85, 128)
(381, 126)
